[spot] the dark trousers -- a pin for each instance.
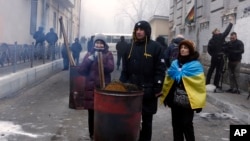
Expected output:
(51, 51)
(146, 129)
(119, 57)
(39, 50)
(76, 58)
(65, 63)
(234, 74)
(91, 122)
(182, 122)
(217, 63)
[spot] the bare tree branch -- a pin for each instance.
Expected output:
(142, 9)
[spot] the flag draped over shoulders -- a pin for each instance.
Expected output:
(193, 78)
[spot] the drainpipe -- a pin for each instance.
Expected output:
(196, 26)
(79, 23)
(44, 14)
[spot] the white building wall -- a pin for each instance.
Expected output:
(15, 19)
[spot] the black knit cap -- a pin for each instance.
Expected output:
(145, 26)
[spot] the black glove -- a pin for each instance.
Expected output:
(198, 110)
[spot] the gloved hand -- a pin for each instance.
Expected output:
(93, 56)
(96, 54)
(198, 110)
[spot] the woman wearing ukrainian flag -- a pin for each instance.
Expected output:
(185, 73)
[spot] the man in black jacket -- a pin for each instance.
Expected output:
(76, 49)
(234, 51)
(51, 37)
(121, 47)
(215, 49)
(143, 65)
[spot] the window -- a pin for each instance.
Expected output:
(204, 25)
(225, 19)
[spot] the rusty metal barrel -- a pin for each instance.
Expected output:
(117, 115)
(76, 93)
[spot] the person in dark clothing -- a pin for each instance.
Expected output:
(51, 37)
(76, 48)
(39, 36)
(144, 66)
(215, 50)
(4, 53)
(171, 52)
(234, 51)
(185, 74)
(89, 69)
(65, 57)
(161, 40)
(121, 48)
(90, 44)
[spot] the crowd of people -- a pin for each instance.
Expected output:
(52, 38)
(174, 74)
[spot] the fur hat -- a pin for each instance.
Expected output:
(190, 44)
(100, 37)
(193, 54)
(145, 26)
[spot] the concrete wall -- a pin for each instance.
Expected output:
(14, 82)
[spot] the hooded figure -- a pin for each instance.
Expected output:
(89, 69)
(121, 47)
(143, 65)
(76, 49)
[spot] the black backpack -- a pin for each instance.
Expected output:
(174, 51)
(210, 47)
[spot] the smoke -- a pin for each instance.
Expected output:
(98, 17)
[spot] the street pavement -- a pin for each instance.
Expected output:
(40, 113)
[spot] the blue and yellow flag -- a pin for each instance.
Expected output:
(193, 78)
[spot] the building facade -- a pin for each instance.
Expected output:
(160, 26)
(26, 16)
(196, 19)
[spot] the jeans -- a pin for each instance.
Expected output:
(234, 72)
